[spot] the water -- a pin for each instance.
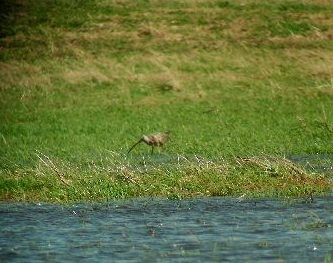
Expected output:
(319, 163)
(160, 230)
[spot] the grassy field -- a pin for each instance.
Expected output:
(240, 84)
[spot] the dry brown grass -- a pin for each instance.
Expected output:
(22, 74)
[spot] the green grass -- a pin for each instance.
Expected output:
(81, 81)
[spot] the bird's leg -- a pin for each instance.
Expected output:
(134, 146)
(152, 149)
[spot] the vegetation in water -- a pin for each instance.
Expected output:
(239, 84)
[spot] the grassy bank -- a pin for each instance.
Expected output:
(81, 81)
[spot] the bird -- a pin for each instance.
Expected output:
(156, 139)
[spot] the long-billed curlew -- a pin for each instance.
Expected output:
(156, 139)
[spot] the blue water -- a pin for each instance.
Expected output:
(160, 230)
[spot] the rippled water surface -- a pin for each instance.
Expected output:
(159, 230)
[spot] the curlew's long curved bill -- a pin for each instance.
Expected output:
(134, 146)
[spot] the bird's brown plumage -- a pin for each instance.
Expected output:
(156, 139)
